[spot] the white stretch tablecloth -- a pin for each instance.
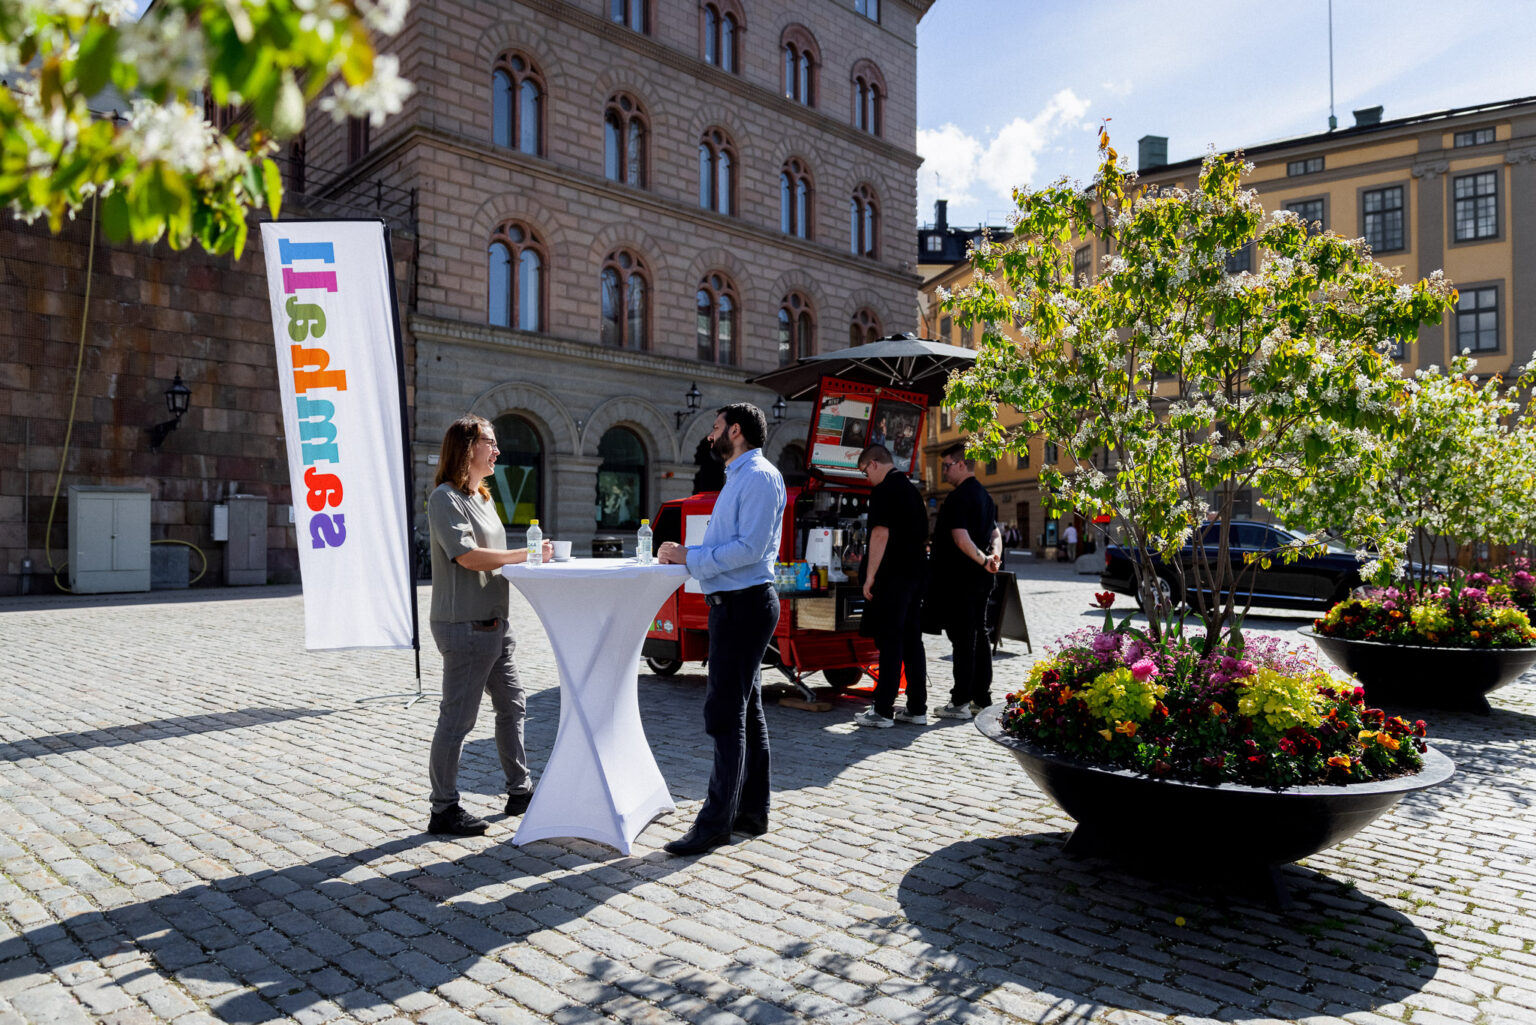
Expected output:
(601, 782)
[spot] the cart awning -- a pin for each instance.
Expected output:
(898, 361)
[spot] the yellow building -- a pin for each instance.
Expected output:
(1453, 190)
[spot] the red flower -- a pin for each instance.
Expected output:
(1104, 599)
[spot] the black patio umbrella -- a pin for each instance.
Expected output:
(897, 361)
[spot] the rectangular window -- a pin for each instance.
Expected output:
(991, 467)
(945, 418)
(1477, 320)
(1477, 206)
(1240, 261)
(935, 243)
(357, 138)
(1051, 453)
(1475, 137)
(1082, 266)
(1311, 213)
(1022, 463)
(1383, 218)
(869, 8)
(1397, 350)
(1310, 165)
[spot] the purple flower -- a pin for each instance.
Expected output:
(1523, 580)
(1106, 643)
(1474, 594)
(1480, 578)
(1245, 668)
(1228, 664)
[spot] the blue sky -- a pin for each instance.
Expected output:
(1011, 92)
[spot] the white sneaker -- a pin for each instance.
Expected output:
(870, 717)
(955, 711)
(902, 715)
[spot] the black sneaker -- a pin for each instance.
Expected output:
(455, 821)
(518, 803)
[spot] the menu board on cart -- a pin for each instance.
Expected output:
(851, 415)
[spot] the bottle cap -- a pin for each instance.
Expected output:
(645, 523)
(533, 523)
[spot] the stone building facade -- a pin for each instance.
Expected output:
(618, 200)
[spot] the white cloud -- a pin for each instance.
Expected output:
(981, 173)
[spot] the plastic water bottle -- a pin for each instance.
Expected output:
(643, 543)
(535, 544)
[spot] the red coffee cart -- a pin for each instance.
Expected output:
(872, 394)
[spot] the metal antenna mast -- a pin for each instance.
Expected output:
(1333, 122)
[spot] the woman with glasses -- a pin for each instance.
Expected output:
(469, 624)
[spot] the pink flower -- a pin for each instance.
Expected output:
(1522, 579)
(1143, 668)
(1106, 643)
(1480, 578)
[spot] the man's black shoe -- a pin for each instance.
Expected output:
(518, 803)
(695, 842)
(752, 825)
(455, 821)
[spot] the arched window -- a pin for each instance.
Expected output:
(802, 59)
(621, 481)
(717, 172)
(717, 308)
(516, 278)
(865, 327)
(624, 141)
(519, 475)
(625, 297)
(517, 104)
(863, 221)
(869, 95)
(634, 13)
(797, 328)
(795, 196)
(721, 26)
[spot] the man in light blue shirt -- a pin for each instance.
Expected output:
(734, 567)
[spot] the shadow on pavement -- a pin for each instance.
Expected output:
(1494, 755)
(999, 914)
(154, 729)
(339, 929)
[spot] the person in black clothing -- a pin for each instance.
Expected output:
(967, 553)
(894, 571)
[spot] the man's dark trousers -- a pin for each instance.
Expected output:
(739, 630)
(967, 631)
(898, 633)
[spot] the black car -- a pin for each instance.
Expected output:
(1311, 582)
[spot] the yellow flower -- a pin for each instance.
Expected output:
(1341, 762)
(1127, 727)
(1107, 734)
(1388, 741)
(1217, 710)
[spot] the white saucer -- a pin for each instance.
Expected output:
(553, 559)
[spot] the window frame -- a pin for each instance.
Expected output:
(1082, 266)
(863, 8)
(867, 97)
(627, 274)
(531, 242)
(718, 285)
(798, 316)
(624, 12)
(1321, 199)
(1470, 137)
(864, 222)
(627, 119)
(1497, 288)
(1304, 166)
(516, 128)
(799, 66)
(1455, 240)
(1403, 191)
(714, 15)
(797, 199)
(864, 327)
(718, 142)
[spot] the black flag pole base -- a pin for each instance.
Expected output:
(411, 697)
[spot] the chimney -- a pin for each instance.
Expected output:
(1368, 116)
(1151, 151)
(941, 215)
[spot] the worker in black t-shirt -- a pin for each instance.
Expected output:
(967, 553)
(894, 573)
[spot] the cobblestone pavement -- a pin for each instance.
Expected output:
(198, 822)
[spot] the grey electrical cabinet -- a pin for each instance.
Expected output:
(108, 539)
(245, 555)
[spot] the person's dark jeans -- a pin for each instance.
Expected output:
(898, 633)
(967, 632)
(739, 631)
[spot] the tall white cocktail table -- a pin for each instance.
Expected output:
(601, 782)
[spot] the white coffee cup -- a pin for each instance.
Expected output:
(562, 550)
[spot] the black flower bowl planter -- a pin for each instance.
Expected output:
(1424, 676)
(1228, 828)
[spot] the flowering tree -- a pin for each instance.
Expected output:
(1454, 467)
(164, 171)
(1194, 379)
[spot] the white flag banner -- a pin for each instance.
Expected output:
(337, 368)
